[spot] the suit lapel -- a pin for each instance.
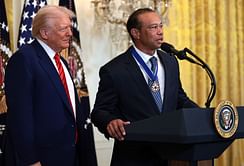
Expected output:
(136, 74)
(52, 73)
(167, 66)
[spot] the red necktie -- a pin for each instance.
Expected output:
(63, 79)
(62, 76)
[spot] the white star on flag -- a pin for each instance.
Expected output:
(29, 11)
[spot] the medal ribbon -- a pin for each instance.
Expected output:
(151, 75)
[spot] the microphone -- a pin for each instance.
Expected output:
(210, 74)
(181, 54)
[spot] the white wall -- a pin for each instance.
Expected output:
(96, 47)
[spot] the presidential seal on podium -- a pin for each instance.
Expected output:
(226, 119)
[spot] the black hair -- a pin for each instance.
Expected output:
(134, 22)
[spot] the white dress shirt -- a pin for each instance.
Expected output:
(69, 81)
(160, 74)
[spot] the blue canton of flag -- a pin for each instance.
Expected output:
(5, 51)
(29, 11)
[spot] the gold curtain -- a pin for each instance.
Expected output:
(213, 30)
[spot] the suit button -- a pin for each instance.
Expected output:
(73, 145)
(72, 126)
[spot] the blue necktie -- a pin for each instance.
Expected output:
(154, 86)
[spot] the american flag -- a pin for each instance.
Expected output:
(87, 154)
(29, 11)
(5, 51)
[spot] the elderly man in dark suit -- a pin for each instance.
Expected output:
(43, 107)
(138, 84)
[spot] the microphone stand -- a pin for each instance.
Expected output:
(209, 72)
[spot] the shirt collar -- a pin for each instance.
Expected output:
(145, 57)
(51, 53)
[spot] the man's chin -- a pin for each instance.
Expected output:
(66, 46)
(158, 45)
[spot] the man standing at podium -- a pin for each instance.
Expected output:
(138, 84)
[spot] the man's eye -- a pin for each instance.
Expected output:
(64, 29)
(153, 27)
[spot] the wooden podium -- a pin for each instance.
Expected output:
(187, 135)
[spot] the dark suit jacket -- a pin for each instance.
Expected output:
(123, 93)
(41, 123)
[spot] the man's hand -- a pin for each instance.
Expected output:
(36, 164)
(116, 129)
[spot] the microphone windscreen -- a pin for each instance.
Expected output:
(167, 47)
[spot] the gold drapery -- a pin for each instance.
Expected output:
(213, 30)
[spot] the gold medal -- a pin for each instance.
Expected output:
(155, 86)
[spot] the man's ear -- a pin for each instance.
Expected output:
(44, 33)
(135, 33)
